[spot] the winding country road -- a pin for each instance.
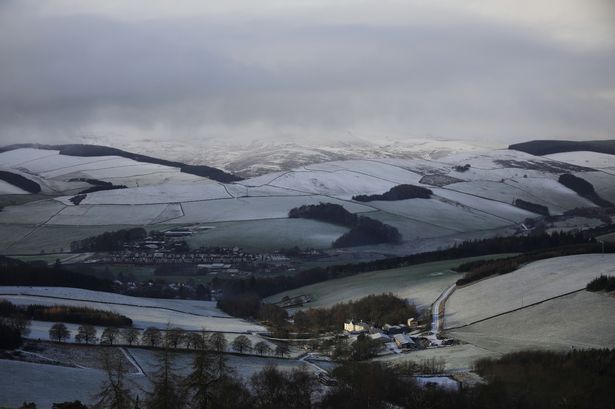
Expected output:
(436, 319)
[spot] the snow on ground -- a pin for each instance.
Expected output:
(482, 202)
(412, 229)
(268, 235)
(254, 208)
(156, 194)
(588, 159)
(240, 190)
(22, 239)
(546, 192)
(421, 284)
(442, 213)
(495, 208)
(46, 384)
(580, 320)
(379, 169)
(341, 184)
(189, 306)
(187, 314)
(9, 189)
(604, 183)
(457, 358)
(92, 215)
(533, 283)
(443, 382)
(60, 173)
(30, 213)
(18, 157)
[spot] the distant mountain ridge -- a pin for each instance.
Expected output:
(548, 147)
(97, 150)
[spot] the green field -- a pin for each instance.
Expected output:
(421, 283)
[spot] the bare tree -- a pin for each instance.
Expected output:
(59, 332)
(174, 336)
(218, 342)
(282, 350)
(85, 333)
(151, 336)
(109, 335)
(193, 340)
(130, 335)
(18, 322)
(242, 344)
(262, 348)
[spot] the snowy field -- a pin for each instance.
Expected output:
(481, 200)
(254, 208)
(8, 189)
(58, 173)
(187, 314)
(421, 284)
(580, 320)
(47, 384)
(533, 283)
(268, 235)
(457, 358)
(588, 159)
(21, 239)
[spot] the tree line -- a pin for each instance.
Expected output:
(153, 337)
(64, 313)
(602, 283)
(378, 309)
(399, 192)
(18, 273)
(108, 241)
(583, 188)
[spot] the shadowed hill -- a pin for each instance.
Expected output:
(540, 148)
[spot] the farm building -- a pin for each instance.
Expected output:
(395, 329)
(403, 341)
(380, 337)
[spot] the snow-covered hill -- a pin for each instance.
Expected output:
(473, 192)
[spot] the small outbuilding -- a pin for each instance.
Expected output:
(403, 341)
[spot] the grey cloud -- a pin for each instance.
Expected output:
(472, 79)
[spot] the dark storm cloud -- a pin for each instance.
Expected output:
(184, 76)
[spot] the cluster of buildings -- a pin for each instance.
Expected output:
(202, 257)
(398, 334)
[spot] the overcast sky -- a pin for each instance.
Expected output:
(237, 70)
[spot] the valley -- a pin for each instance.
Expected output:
(257, 259)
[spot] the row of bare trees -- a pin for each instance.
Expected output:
(173, 338)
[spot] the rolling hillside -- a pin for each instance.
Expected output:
(473, 195)
(542, 305)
